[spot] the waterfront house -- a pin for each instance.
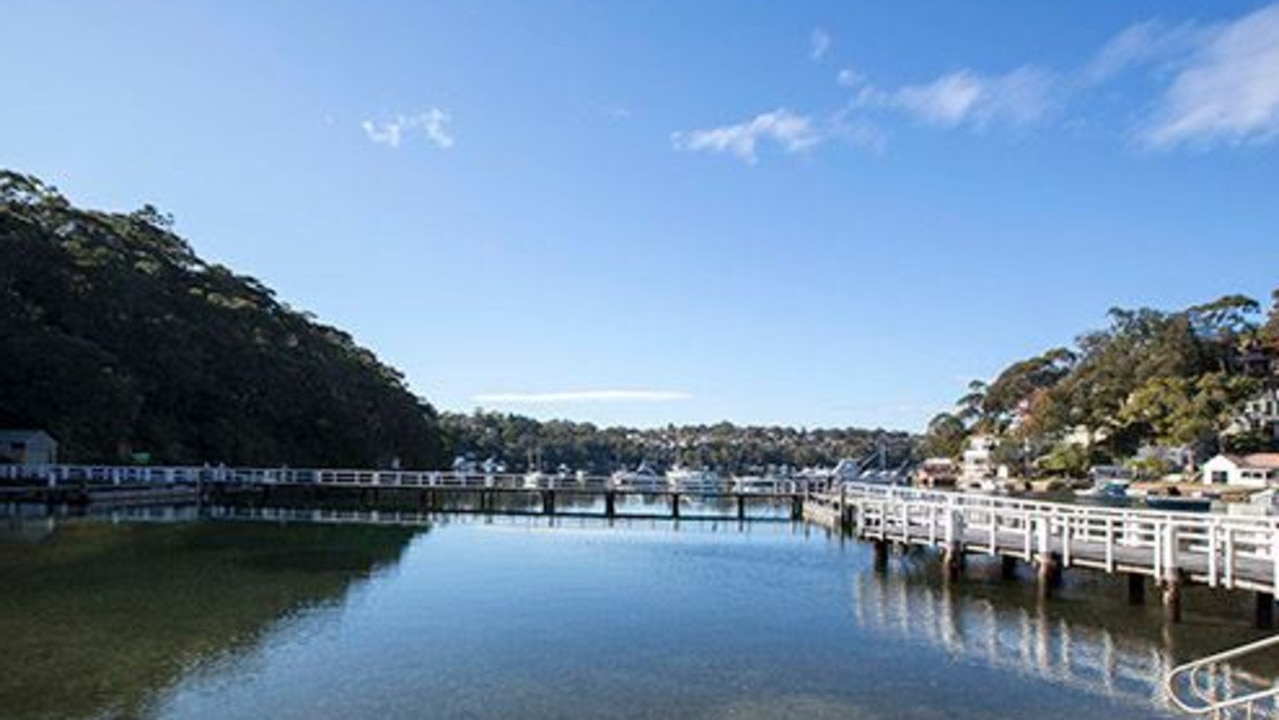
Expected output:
(1258, 470)
(977, 465)
(28, 447)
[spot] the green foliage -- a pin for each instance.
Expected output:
(1150, 377)
(1070, 460)
(116, 337)
(516, 440)
(944, 438)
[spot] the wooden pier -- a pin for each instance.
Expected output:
(436, 491)
(1170, 548)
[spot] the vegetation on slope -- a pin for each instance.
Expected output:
(117, 339)
(1152, 378)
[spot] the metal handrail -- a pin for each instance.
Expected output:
(1209, 705)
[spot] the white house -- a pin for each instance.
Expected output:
(1257, 470)
(977, 463)
(28, 447)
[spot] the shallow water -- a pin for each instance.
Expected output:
(474, 617)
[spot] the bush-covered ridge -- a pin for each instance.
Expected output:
(118, 339)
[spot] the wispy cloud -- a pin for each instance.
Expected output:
(581, 396)
(433, 122)
(850, 77)
(818, 44)
(792, 132)
(1228, 89)
(1147, 43)
(969, 98)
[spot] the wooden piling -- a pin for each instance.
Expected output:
(610, 504)
(741, 507)
(1263, 617)
(1049, 574)
(881, 556)
(1172, 598)
(1007, 567)
(1136, 589)
(548, 502)
(953, 562)
(675, 505)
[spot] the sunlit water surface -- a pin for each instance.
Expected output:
(521, 618)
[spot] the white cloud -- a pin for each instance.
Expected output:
(965, 97)
(388, 133)
(794, 133)
(1150, 42)
(582, 396)
(1228, 90)
(433, 123)
(849, 77)
(819, 44)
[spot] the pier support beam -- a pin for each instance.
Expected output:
(1049, 574)
(1263, 617)
(548, 502)
(1136, 589)
(952, 562)
(610, 504)
(1172, 598)
(881, 556)
(675, 505)
(1007, 567)
(741, 507)
(797, 508)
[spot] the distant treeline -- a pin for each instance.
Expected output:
(520, 442)
(117, 339)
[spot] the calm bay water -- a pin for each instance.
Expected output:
(499, 618)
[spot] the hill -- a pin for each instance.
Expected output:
(118, 339)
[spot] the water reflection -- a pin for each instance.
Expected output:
(97, 617)
(335, 611)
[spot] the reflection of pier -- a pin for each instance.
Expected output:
(1014, 638)
(1173, 548)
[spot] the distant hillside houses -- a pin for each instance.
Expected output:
(1259, 414)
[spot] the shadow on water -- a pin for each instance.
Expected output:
(97, 617)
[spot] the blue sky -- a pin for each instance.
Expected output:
(806, 213)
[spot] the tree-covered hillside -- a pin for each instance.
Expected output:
(117, 339)
(1151, 378)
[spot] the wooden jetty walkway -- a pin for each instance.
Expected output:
(491, 493)
(1172, 548)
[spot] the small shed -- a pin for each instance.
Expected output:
(28, 447)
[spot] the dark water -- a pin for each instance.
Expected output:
(469, 617)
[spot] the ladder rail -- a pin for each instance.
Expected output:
(1191, 671)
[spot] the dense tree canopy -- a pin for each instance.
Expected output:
(1149, 378)
(521, 441)
(118, 339)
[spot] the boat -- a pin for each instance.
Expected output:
(642, 478)
(535, 479)
(702, 482)
(1180, 503)
(1113, 489)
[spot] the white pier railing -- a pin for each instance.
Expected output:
(56, 475)
(1213, 549)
